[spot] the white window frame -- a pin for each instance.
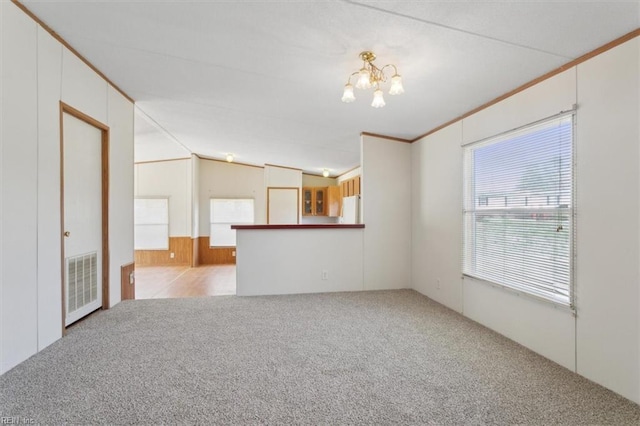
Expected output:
(473, 204)
(217, 225)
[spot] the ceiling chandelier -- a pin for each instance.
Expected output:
(370, 76)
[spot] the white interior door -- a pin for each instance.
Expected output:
(82, 148)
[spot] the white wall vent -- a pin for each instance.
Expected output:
(82, 281)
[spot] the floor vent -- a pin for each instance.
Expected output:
(82, 281)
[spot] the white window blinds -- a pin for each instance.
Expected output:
(518, 209)
(225, 212)
(151, 223)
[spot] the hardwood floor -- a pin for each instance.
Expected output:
(162, 282)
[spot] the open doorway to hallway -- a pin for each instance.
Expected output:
(163, 282)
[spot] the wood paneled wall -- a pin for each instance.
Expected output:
(187, 251)
(195, 249)
(216, 255)
(127, 287)
(181, 247)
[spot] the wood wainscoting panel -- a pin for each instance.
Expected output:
(181, 247)
(128, 281)
(195, 247)
(215, 255)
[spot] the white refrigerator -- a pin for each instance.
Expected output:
(350, 209)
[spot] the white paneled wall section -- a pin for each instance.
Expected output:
(172, 179)
(602, 341)
(436, 185)
(38, 73)
(386, 211)
(120, 122)
(286, 269)
(19, 268)
(608, 178)
(195, 196)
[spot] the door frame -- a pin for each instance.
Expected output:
(104, 130)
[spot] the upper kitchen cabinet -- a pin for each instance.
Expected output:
(321, 201)
(351, 187)
(314, 201)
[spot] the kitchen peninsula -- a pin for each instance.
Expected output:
(298, 258)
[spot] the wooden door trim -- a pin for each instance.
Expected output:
(104, 130)
(269, 188)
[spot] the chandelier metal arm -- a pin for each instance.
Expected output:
(352, 74)
(395, 70)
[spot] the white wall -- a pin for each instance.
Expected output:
(286, 269)
(386, 212)
(120, 121)
(37, 73)
(172, 179)
(608, 174)
(195, 196)
(602, 342)
(275, 176)
(436, 220)
(49, 252)
(19, 298)
(218, 179)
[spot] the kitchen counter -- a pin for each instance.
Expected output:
(302, 226)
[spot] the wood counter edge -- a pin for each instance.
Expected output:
(301, 226)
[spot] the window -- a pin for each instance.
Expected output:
(223, 213)
(151, 223)
(518, 209)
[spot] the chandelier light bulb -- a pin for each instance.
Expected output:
(378, 99)
(396, 85)
(364, 81)
(325, 173)
(347, 95)
(230, 158)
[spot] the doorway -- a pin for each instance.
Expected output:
(84, 145)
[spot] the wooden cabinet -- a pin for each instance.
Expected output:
(334, 201)
(314, 201)
(351, 187)
(321, 201)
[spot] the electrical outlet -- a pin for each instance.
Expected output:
(325, 274)
(172, 255)
(438, 283)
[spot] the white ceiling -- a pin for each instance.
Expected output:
(263, 79)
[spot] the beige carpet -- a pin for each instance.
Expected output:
(388, 357)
